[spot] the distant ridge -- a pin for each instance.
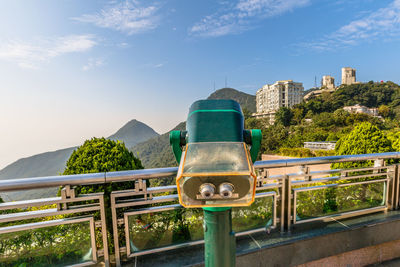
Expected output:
(246, 101)
(44, 164)
(153, 149)
(134, 132)
(53, 163)
(157, 153)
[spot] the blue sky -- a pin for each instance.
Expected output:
(70, 70)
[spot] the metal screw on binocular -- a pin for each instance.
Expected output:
(215, 161)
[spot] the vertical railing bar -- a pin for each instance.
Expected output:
(392, 172)
(274, 210)
(93, 239)
(283, 200)
(386, 187)
(115, 231)
(127, 237)
(64, 196)
(289, 197)
(294, 207)
(104, 231)
(386, 184)
(397, 191)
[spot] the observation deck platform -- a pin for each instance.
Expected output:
(359, 241)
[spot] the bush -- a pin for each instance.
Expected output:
(300, 152)
(102, 155)
(365, 138)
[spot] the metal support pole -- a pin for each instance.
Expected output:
(220, 244)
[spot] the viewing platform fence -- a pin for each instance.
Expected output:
(115, 225)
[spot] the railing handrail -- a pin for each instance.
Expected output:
(121, 176)
(323, 160)
(84, 179)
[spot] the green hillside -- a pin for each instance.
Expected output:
(322, 118)
(134, 132)
(157, 152)
(153, 149)
(44, 164)
(246, 101)
(53, 163)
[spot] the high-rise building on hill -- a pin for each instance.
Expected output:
(328, 82)
(348, 76)
(271, 97)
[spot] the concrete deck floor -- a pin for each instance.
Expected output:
(254, 243)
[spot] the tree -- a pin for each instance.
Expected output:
(298, 115)
(284, 116)
(384, 111)
(394, 136)
(365, 138)
(102, 155)
(273, 138)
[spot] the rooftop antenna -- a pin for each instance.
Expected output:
(226, 82)
(214, 85)
(315, 82)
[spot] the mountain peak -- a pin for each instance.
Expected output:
(246, 101)
(142, 132)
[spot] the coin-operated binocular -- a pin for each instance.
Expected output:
(215, 156)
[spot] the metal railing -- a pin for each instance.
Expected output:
(148, 219)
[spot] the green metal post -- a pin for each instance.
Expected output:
(220, 243)
(217, 121)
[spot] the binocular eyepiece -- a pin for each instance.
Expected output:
(226, 190)
(207, 190)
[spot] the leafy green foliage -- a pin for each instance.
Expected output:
(300, 152)
(51, 246)
(366, 94)
(322, 118)
(246, 101)
(365, 138)
(157, 152)
(394, 137)
(102, 155)
(284, 116)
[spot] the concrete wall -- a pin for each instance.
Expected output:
(360, 246)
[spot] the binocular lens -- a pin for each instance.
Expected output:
(207, 190)
(226, 190)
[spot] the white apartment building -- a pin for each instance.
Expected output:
(348, 76)
(362, 109)
(271, 97)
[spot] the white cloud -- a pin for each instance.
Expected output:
(30, 55)
(93, 63)
(159, 65)
(128, 17)
(123, 45)
(238, 17)
(384, 22)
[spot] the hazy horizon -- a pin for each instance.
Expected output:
(71, 70)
